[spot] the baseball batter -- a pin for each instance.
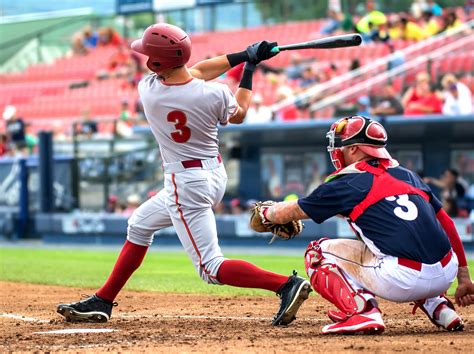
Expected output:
(183, 110)
(407, 248)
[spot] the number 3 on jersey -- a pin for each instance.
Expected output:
(182, 132)
(407, 209)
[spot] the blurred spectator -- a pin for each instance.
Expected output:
(355, 64)
(409, 30)
(421, 99)
(396, 58)
(77, 46)
(274, 181)
(450, 206)
(334, 19)
(435, 8)
(289, 112)
(451, 22)
(113, 205)
(417, 7)
(347, 24)
(370, 22)
(88, 126)
(387, 103)
(15, 127)
(140, 112)
(120, 64)
(294, 71)
(133, 202)
(258, 113)
(90, 37)
(450, 183)
(3, 145)
(125, 114)
(457, 96)
(308, 78)
(109, 36)
(30, 140)
(429, 24)
(236, 207)
(363, 106)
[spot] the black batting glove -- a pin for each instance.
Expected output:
(260, 51)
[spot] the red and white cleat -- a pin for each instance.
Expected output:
(367, 323)
(444, 316)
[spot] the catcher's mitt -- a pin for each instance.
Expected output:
(260, 223)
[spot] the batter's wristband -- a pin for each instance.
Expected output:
(246, 80)
(237, 58)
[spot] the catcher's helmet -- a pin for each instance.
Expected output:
(166, 46)
(370, 137)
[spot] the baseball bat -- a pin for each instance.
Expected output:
(345, 40)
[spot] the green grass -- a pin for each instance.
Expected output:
(160, 271)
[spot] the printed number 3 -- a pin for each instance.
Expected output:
(182, 133)
(408, 212)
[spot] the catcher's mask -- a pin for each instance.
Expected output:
(369, 136)
(166, 46)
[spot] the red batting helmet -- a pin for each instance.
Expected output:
(166, 46)
(369, 136)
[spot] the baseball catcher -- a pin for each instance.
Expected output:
(407, 249)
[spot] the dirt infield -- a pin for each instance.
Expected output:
(154, 322)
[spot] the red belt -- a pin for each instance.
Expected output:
(196, 163)
(417, 265)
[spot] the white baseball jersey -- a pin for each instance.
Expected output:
(184, 117)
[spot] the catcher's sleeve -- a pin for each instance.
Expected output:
(448, 226)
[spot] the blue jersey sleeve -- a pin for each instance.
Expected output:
(337, 197)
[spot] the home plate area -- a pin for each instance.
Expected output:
(151, 322)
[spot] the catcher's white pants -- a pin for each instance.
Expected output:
(186, 203)
(384, 277)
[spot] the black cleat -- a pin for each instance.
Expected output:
(292, 295)
(91, 309)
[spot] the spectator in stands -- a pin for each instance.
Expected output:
(297, 65)
(258, 113)
(363, 106)
(31, 140)
(387, 103)
(451, 22)
(289, 111)
(15, 127)
(77, 46)
(236, 207)
(88, 126)
(397, 58)
(421, 99)
(370, 22)
(133, 202)
(450, 183)
(355, 64)
(3, 145)
(90, 37)
(334, 19)
(113, 205)
(109, 37)
(409, 30)
(219, 208)
(457, 96)
(308, 78)
(450, 206)
(120, 65)
(429, 24)
(435, 8)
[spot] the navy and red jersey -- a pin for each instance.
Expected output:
(402, 226)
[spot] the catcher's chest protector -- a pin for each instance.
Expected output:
(383, 186)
